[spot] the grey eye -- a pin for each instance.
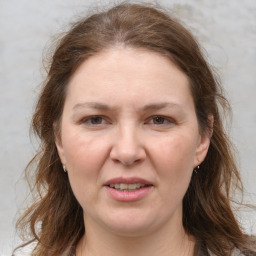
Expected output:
(158, 120)
(96, 120)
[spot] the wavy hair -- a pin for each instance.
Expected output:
(54, 221)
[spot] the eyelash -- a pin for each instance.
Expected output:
(165, 120)
(89, 120)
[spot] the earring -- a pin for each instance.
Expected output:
(195, 170)
(64, 167)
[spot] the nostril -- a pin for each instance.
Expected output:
(128, 148)
(128, 156)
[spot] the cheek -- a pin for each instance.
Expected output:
(84, 152)
(174, 158)
(174, 165)
(85, 157)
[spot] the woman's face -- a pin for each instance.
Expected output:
(130, 140)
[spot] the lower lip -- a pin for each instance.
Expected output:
(128, 196)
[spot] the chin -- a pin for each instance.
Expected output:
(131, 225)
(130, 231)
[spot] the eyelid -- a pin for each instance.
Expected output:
(85, 120)
(105, 120)
(168, 119)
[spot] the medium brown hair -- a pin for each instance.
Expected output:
(55, 219)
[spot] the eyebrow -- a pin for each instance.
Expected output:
(105, 107)
(95, 105)
(158, 106)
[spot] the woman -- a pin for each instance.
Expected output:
(134, 159)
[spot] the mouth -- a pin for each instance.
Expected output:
(128, 187)
(128, 184)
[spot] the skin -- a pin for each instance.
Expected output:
(146, 127)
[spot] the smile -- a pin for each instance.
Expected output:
(127, 187)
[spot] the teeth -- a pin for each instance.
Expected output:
(123, 186)
(127, 187)
(132, 186)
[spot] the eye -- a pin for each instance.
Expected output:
(160, 120)
(94, 120)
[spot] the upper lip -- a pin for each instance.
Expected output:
(130, 180)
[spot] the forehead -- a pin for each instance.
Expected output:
(127, 71)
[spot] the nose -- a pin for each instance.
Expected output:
(128, 147)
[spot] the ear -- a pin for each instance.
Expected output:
(58, 142)
(204, 142)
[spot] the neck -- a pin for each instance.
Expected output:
(164, 242)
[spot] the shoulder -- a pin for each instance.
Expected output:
(236, 252)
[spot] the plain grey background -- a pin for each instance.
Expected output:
(226, 30)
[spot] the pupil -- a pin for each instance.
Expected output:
(159, 120)
(96, 120)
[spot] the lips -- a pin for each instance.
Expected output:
(128, 189)
(127, 183)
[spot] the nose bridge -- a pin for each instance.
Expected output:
(128, 145)
(128, 137)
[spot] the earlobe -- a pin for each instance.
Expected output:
(202, 150)
(204, 142)
(58, 143)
